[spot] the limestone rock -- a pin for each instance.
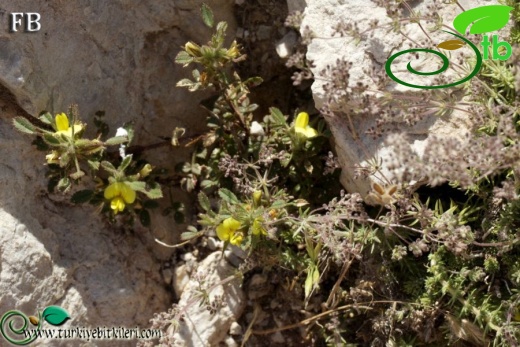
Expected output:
(115, 56)
(200, 327)
(371, 54)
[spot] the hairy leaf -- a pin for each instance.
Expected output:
(228, 196)
(207, 15)
(116, 140)
(183, 58)
(204, 202)
(24, 125)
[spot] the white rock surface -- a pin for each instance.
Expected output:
(180, 279)
(320, 17)
(200, 327)
(115, 56)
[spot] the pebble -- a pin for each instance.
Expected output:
(235, 329)
(188, 256)
(285, 47)
(213, 244)
(230, 342)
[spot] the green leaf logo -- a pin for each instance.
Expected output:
(485, 18)
(55, 315)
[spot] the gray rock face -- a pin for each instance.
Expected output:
(371, 54)
(200, 327)
(115, 56)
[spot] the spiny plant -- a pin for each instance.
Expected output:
(417, 269)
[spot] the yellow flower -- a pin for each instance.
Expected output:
(301, 125)
(257, 228)
(228, 231)
(62, 125)
(119, 194)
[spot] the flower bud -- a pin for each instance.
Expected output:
(193, 49)
(233, 51)
(145, 171)
(257, 198)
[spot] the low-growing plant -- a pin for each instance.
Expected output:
(72, 157)
(431, 267)
(420, 268)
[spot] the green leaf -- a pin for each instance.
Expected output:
(185, 82)
(94, 165)
(485, 18)
(204, 202)
(183, 58)
(285, 159)
(23, 125)
(206, 184)
(82, 196)
(194, 87)
(190, 234)
(50, 139)
(46, 118)
(77, 175)
(124, 164)
(315, 276)
(309, 281)
(129, 127)
(108, 167)
(221, 34)
(279, 204)
(207, 15)
(64, 159)
(154, 193)
(55, 315)
(116, 140)
(253, 81)
(138, 186)
(144, 217)
(277, 116)
(228, 196)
